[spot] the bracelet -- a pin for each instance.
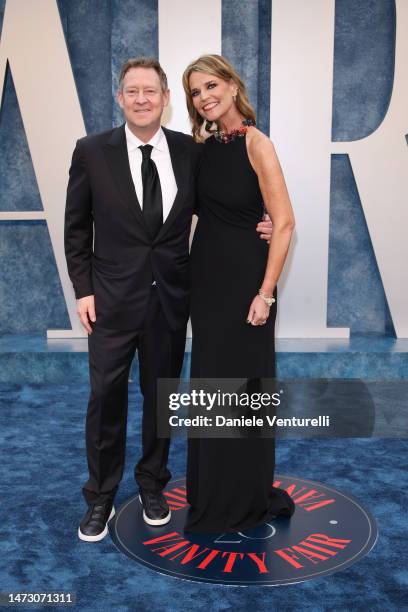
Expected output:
(268, 300)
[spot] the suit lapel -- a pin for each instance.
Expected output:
(181, 169)
(118, 161)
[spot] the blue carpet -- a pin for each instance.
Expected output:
(32, 358)
(44, 467)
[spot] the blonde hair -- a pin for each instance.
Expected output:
(143, 62)
(218, 66)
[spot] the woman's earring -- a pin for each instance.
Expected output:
(234, 96)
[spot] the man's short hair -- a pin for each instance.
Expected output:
(143, 62)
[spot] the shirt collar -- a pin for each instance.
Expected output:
(158, 140)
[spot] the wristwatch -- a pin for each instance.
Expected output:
(268, 300)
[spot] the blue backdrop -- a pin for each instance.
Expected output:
(100, 35)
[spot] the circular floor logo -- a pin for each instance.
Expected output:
(328, 532)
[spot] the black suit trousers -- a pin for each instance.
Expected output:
(160, 352)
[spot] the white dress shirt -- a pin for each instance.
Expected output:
(161, 157)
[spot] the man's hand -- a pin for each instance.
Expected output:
(86, 311)
(264, 228)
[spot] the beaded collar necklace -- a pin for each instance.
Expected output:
(226, 137)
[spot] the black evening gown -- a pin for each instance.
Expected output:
(229, 481)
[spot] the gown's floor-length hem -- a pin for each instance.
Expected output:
(284, 509)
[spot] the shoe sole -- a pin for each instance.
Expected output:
(155, 522)
(100, 536)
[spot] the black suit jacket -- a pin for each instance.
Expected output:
(109, 251)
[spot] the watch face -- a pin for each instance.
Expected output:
(266, 299)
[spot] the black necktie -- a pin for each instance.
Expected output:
(152, 194)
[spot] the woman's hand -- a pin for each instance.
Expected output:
(258, 312)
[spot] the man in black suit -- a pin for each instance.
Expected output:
(136, 204)
(130, 202)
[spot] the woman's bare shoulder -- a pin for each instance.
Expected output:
(259, 145)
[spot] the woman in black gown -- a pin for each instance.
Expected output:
(234, 277)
